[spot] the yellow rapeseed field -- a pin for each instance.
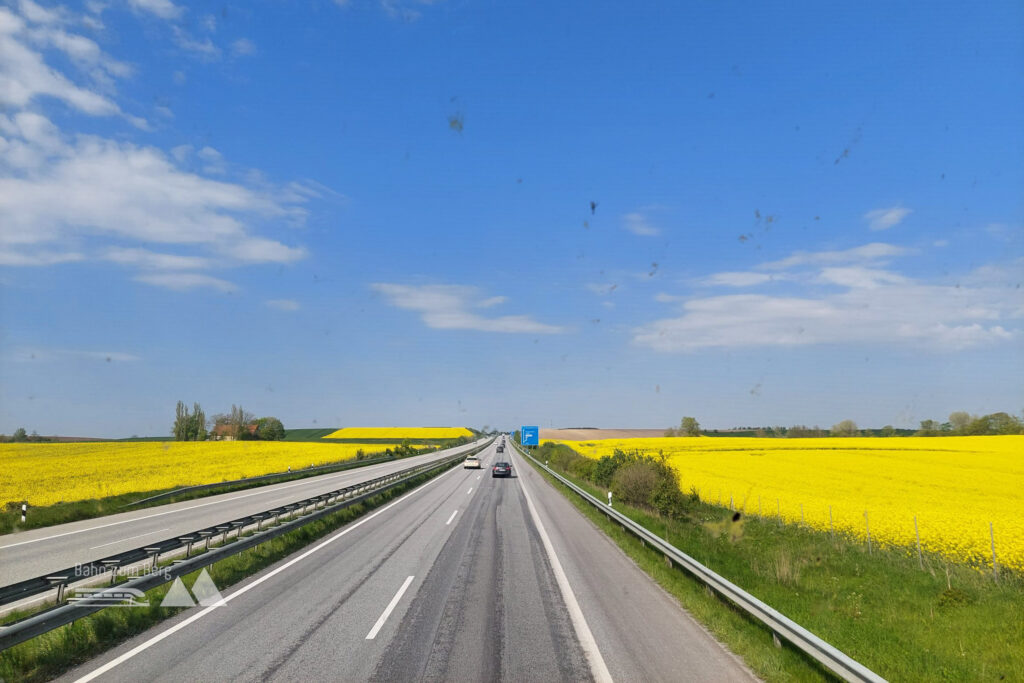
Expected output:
(954, 486)
(399, 433)
(45, 473)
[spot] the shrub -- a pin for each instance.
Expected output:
(635, 483)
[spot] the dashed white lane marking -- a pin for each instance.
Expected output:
(451, 518)
(121, 540)
(389, 609)
(248, 587)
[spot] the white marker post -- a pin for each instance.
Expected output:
(24, 509)
(609, 499)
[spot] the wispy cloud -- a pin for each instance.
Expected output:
(639, 224)
(145, 258)
(448, 307)
(846, 299)
(883, 219)
(165, 9)
(737, 279)
(243, 47)
(183, 282)
(876, 252)
(282, 304)
(202, 48)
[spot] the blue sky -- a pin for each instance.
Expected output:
(382, 212)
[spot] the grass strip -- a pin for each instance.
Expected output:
(948, 621)
(51, 654)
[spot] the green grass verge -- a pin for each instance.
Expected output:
(51, 654)
(948, 622)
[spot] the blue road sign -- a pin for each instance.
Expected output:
(529, 436)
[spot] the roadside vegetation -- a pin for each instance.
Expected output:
(51, 654)
(945, 621)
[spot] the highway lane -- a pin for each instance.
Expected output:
(454, 581)
(33, 553)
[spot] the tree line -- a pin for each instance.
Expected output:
(239, 424)
(960, 423)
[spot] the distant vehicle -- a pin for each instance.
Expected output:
(472, 463)
(501, 469)
(501, 448)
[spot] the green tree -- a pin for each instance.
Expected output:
(888, 430)
(689, 427)
(928, 428)
(181, 422)
(1004, 423)
(19, 435)
(269, 429)
(961, 421)
(844, 428)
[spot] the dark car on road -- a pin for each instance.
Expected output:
(501, 469)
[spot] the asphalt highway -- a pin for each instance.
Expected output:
(35, 552)
(466, 578)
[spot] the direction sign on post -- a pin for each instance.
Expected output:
(529, 436)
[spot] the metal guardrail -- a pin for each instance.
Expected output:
(782, 627)
(61, 615)
(59, 580)
(296, 474)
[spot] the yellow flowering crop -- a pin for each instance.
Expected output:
(45, 473)
(399, 433)
(954, 486)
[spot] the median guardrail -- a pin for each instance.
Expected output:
(781, 626)
(325, 503)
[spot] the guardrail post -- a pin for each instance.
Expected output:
(776, 640)
(155, 553)
(62, 583)
(112, 566)
(187, 540)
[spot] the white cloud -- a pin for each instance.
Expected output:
(876, 252)
(25, 77)
(243, 47)
(67, 198)
(38, 258)
(283, 304)
(447, 307)
(181, 282)
(666, 298)
(737, 279)
(181, 153)
(165, 9)
(638, 224)
(151, 260)
(883, 219)
(858, 277)
(213, 160)
(209, 23)
(875, 306)
(179, 78)
(205, 49)
(493, 301)
(940, 243)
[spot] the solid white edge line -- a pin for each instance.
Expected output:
(304, 482)
(451, 518)
(389, 609)
(245, 589)
(597, 665)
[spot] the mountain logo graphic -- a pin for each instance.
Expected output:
(205, 592)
